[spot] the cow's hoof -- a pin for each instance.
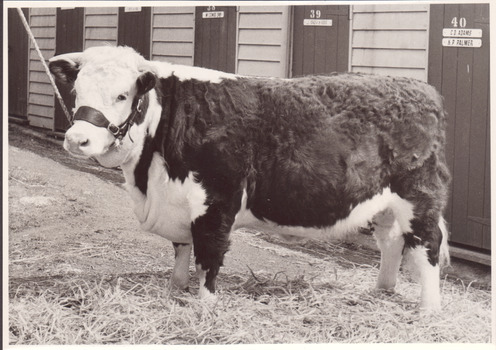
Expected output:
(430, 306)
(179, 283)
(207, 296)
(383, 290)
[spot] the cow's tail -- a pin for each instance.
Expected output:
(444, 256)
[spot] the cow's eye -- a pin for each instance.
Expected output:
(121, 97)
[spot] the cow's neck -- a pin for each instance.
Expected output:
(158, 135)
(142, 134)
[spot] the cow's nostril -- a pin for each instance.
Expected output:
(84, 143)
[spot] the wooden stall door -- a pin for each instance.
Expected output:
(134, 29)
(69, 38)
(18, 64)
(215, 38)
(459, 68)
(320, 39)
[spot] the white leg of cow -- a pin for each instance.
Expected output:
(430, 296)
(390, 240)
(204, 293)
(180, 273)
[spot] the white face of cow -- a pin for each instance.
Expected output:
(107, 80)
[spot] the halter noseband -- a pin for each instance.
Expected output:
(95, 117)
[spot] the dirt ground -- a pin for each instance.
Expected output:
(68, 216)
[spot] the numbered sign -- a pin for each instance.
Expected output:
(211, 13)
(315, 19)
(466, 33)
(214, 14)
(317, 22)
(132, 9)
(459, 36)
(462, 42)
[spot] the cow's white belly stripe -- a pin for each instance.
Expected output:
(359, 217)
(169, 206)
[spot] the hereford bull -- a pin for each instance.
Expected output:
(204, 152)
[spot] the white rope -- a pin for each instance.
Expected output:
(47, 70)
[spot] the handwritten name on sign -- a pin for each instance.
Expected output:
(462, 42)
(317, 22)
(462, 32)
(213, 14)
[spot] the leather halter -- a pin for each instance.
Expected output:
(95, 117)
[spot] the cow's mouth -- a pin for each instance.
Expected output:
(78, 150)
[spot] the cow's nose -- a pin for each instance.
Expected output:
(77, 140)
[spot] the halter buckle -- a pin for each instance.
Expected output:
(114, 130)
(138, 106)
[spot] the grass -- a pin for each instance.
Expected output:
(256, 308)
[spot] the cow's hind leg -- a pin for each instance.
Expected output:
(180, 273)
(426, 238)
(390, 240)
(427, 255)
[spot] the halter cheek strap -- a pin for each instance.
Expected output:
(95, 117)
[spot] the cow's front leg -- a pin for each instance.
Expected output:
(180, 273)
(211, 242)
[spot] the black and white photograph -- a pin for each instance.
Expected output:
(247, 172)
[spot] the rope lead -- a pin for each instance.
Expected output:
(47, 70)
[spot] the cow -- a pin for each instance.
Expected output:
(204, 152)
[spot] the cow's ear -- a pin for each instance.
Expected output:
(65, 68)
(146, 82)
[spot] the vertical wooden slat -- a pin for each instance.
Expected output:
(448, 90)
(198, 51)
(331, 45)
(308, 45)
(477, 144)
(215, 41)
(482, 19)
(486, 231)
(69, 38)
(343, 34)
(322, 61)
(231, 39)
(18, 64)
(462, 135)
(297, 64)
(435, 48)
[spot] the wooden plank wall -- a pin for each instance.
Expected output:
(173, 33)
(41, 96)
(320, 49)
(262, 47)
(390, 39)
(461, 75)
(100, 26)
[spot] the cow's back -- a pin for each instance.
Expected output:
(326, 143)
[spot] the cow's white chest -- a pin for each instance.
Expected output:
(169, 206)
(359, 216)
